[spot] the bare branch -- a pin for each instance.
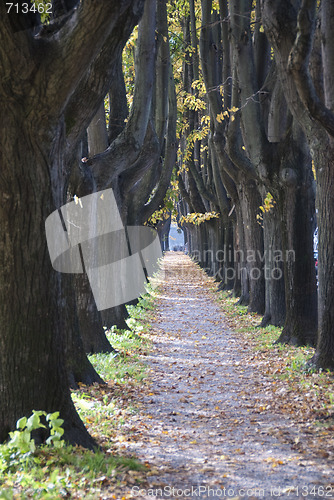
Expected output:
(125, 149)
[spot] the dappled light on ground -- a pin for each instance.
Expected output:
(209, 418)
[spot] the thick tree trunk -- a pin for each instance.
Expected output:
(241, 284)
(274, 272)
(32, 304)
(90, 324)
(90, 320)
(97, 132)
(78, 366)
(115, 316)
(297, 213)
(44, 74)
(324, 356)
(163, 232)
(250, 202)
(118, 107)
(227, 271)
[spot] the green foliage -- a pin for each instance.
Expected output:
(169, 205)
(54, 473)
(268, 205)
(56, 430)
(21, 445)
(43, 8)
(125, 365)
(119, 368)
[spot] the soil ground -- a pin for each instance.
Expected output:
(202, 424)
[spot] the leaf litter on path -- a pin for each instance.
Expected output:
(209, 426)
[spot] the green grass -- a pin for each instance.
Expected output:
(52, 473)
(126, 364)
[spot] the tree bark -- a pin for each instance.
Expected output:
(250, 201)
(33, 307)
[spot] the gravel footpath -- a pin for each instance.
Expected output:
(201, 427)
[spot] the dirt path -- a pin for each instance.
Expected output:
(201, 425)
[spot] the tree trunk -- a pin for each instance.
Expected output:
(91, 326)
(227, 271)
(241, 285)
(32, 304)
(250, 201)
(275, 307)
(324, 356)
(163, 231)
(79, 368)
(115, 316)
(90, 319)
(296, 206)
(97, 132)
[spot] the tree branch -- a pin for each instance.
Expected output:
(73, 48)
(170, 153)
(233, 138)
(208, 54)
(254, 135)
(280, 20)
(94, 86)
(118, 105)
(298, 64)
(125, 149)
(162, 73)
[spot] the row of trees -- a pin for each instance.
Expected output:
(256, 147)
(55, 146)
(229, 84)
